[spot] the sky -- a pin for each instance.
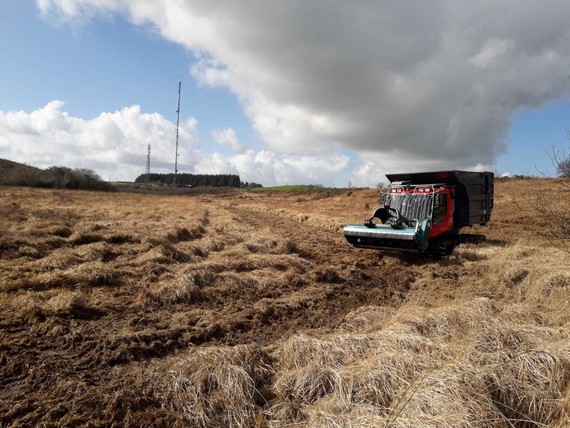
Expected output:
(285, 92)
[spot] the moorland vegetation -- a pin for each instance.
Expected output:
(249, 309)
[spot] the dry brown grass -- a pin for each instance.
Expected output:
(183, 289)
(218, 386)
(251, 310)
(459, 366)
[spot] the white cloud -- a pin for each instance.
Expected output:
(227, 137)
(269, 168)
(115, 145)
(490, 52)
(112, 143)
(413, 84)
(374, 166)
(212, 163)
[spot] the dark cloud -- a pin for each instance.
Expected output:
(401, 82)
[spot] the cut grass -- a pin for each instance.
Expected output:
(252, 311)
(218, 386)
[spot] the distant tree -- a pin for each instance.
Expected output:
(59, 176)
(561, 160)
(247, 185)
(62, 177)
(194, 180)
(558, 216)
(89, 174)
(563, 167)
(382, 185)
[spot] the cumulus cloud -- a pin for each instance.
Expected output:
(268, 167)
(115, 145)
(406, 84)
(227, 137)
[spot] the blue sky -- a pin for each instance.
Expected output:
(102, 66)
(272, 93)
(532, 135)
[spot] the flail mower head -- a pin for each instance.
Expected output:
(396, 232)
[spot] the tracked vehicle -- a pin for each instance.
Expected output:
(423, 212)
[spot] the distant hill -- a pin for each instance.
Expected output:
(61, 177)
(18, 174)
(6, 165)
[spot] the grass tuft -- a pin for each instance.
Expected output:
(182, 290)
(219, 386)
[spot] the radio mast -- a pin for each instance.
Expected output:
(177, 124)
(147, 169)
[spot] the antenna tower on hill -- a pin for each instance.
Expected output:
(147, 169)
(177, 123)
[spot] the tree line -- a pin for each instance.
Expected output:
(193, 180)
(59, 177)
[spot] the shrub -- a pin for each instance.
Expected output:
(62, 177)
(563, 168)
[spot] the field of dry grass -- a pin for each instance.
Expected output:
(250, 310)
